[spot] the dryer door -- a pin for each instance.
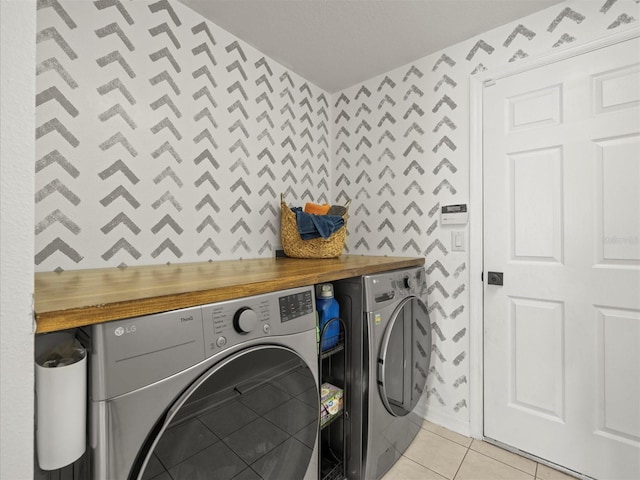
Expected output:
(404, 357)
(254, 414)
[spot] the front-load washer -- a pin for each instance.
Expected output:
(227, 390)
(396, 351)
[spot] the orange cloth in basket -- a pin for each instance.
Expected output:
(316, 209)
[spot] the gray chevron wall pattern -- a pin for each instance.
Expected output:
(400, 151)
(163, 138)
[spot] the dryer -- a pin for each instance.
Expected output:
(227, 390)
(394, 352)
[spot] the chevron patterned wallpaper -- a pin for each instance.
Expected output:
(162, 138)
(400, 150)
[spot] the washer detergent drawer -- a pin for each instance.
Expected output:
(129, 354)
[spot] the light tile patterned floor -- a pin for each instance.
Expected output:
(439, 454)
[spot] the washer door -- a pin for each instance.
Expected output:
(254, 414)
(404, 357)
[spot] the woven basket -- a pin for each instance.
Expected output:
(296, 247)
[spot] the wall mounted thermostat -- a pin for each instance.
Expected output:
(454, 215)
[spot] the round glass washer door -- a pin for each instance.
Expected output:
(404, 357)
(254, 415)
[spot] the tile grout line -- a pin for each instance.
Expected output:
(537, 464)
(463, 459)
(421, 466)
(442, 436)
(533, 476)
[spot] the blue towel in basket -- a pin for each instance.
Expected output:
(316, 226)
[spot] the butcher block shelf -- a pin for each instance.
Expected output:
(75, 298)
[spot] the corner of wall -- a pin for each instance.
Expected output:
(17, 124)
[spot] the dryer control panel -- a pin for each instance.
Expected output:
(384, 288)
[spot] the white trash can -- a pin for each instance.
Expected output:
(61, 399)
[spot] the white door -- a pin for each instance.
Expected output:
(562, 222)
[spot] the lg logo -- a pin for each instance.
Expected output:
(122, 330)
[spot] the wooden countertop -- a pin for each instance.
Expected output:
(83, 297)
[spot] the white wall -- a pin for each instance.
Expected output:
(17, 150)
(185, 160)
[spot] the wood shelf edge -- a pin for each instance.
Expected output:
(280, 278)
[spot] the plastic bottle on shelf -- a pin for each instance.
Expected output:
(328, 309)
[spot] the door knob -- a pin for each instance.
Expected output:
(495, 278)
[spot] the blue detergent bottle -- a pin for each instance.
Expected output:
(328, 308)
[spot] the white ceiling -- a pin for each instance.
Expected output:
(338, 43)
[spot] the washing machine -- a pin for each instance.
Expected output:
(393, 349)
(227, 390)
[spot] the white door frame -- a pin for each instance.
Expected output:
(476, 246)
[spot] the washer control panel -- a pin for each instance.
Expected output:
(229, 323)
(131, 353)
(296, 305)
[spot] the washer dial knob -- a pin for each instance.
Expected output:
(245, 320)
(410, 283)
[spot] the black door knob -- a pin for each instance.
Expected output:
(495, 278)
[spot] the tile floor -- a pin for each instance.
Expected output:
(439, 454)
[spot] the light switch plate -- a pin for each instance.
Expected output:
(458, 241)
